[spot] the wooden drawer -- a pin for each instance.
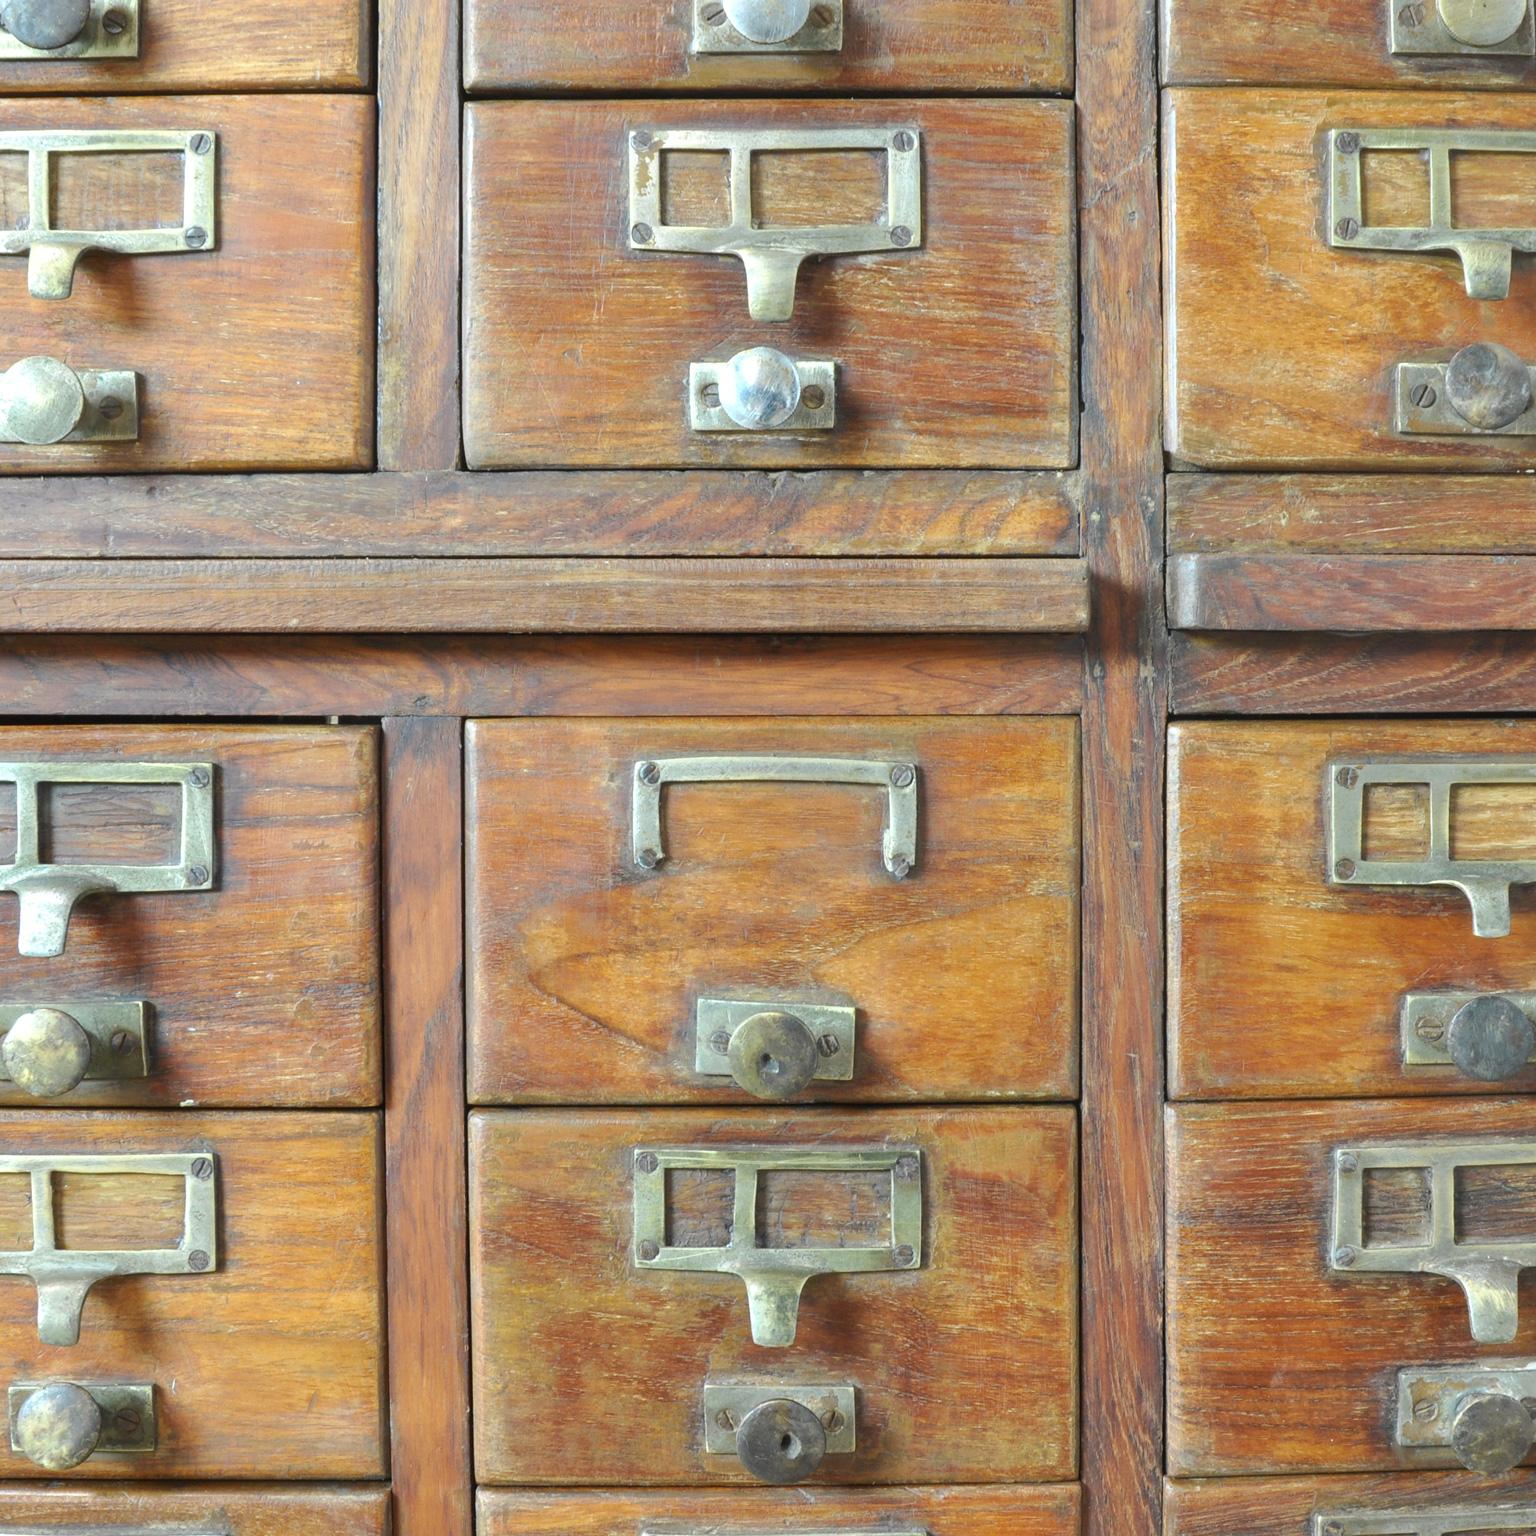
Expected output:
(253, 351)
(182, 45)
(955, 352)
(267, 1363)
(1275, 1506)
(1282, 983)
(593, 978)
(209, 1510)
(258, 986)
(567, 1312)
(784, 1512)
(1289, 1320)
(900, 45)
(1285, 351)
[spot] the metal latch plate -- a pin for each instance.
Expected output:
(111, 32)
(1426, 1019)
(1444, 1522)
(111, 410)
(713, 32)
(1427, 1398)
(1422, 405)
(725, 1407)
(816, 412)
(119, 1034)
(127, 1416)
(832, 1025)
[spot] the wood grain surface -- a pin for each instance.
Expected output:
(577, 350)
(902, 45)
(1281, 350)
(255, 355)
(584, 970)
(264, 990)
(1276, 1363)
(256, 1510)
(1281, 985)
(568, 1333)
(272, 1365)
(954, 1511)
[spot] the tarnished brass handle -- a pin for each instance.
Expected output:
(46, 1052)
(57, 1425)
(45, 24)
(781, 1442)
(1492, 1432)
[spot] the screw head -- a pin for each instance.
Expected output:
(1348, 1161)
(1426, 1411)
(901, 867)
(649, 773)
(828, 1045)
(720, 1041)
(904, 1256)
(1348, 777)
(1344, 1258)
(1344, 869)
(197, 1261)
(1347, 143)
(832, 1421)
(901, 235)
(1431, 1030)
(200, 143)
(197, 875)
(641, 139)
(1412, 16)
(905, 141)
(648, 858)
(200, 778)
(109, 407)
(197, 237)
(1347, 229)
(1423, 395)
(202, 1168)
(648, 1249)
(903, 775)
(646, 1162)
(114, 23)
(122, 1042)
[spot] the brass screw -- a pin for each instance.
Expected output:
(201, 143)
(904, 141)
(1345, 869)
(197, 1261)
(832, 1421)
(1345, 1257)
(724, 1419)
(821, 16)
(649, 1250)
(901, 867)
(814, 398)
(1412, 15)
(1423, 396)
(202, 1168)
(646, 1162)
(649, 772)
(197, 875)
(906, 1168)
(200, 778)
(901, 235)
(1348, 1161)
(128, 1420)
(712, 396)
(714, 14)
(197, 237)
(114, 23)
(122, 1041)
(1348, 777)
(904, 1256)
(641, 140)
(1430, 1029)
(110, 407)
(1347, 229)
(828, 1045)
(1348, 143)
(1426, 1411)
(903, 775)
(720, 1041)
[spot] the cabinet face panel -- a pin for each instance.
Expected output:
(1282, 984)
(1282, 349)
(1277, 1360)
(955, 353)
(268, 1365)
(586, 970)
(271, 1510)
(569, 1329)
(255, 354)
(262, 990)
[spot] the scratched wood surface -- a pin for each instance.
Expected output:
(1281, 350)
(271, 1366)
(567, 1333)
(1275, 1362)
(577, 350)
(201, 1510)
(584, 969)
(254, 355)
(263, 990)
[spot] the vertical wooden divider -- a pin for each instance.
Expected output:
(424, 1128)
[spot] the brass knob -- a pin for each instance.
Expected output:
(773, 1055)
(46, 1053)
(58, 1426)
(45, 24)
(781, 1441)
(760, 388)
(41, 400)
(1482, 23)
(768, 21)
(1492, 1432)
(1488, 386)
(1490, 1039)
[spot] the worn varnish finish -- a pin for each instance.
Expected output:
(1276, 1363)
(264, 990)
(568, 1334)
(577, 350)
(1280, 984)
(585, 969)
(902, 45)
(1281, 350)
(257, 1510)
(256, 355)
(270, 1366)
(954, 1511)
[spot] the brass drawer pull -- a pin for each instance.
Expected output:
(781, 1435)
(767, 26)
(44, 402)
(773, 255)
(774, 1047)
(1489, 1036)
(48, 1050)
(68, 29)
(1483, 1414)
(1484, 390)
(48, 892)
(1486, 254)
(898, 846)
(53, 254)
(762, 390)
(1445, 1522)
(775, 1277)
(1461, 28)
(1488, 1272)
(57, 1425)
(1484, 882)
(64, 1276)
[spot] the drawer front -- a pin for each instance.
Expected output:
(262, 1354)
(1285, 980)
(183, 45)
(596, 978)
(842, 45)
(785, 1512)
(250, 345)
(209, 1510)
(1295, 342)
(562, 1269)
(582, 331)
(1394, 1504)
(256, 985)
(1313, 1255)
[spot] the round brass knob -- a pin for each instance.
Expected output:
(773, 1055)
(58, 1426)
(1482, 23)
(780, 1441)
(760, 388)
(45, 23)
(46, 1053)
(1490, 1039)
(768, 21)
(1492, 1432)
(41, 400)
(1488, 386)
